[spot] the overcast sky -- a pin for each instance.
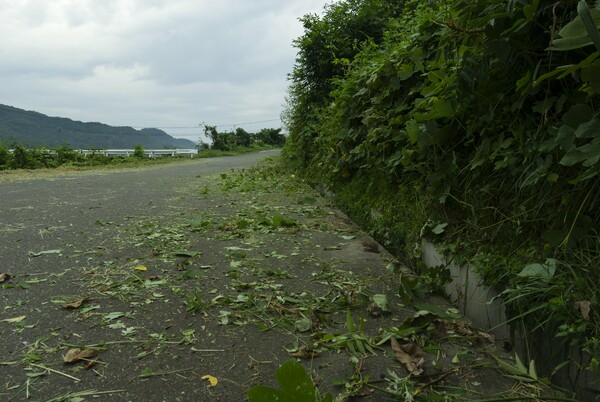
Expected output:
(151, 63)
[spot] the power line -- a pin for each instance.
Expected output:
(200, 125)
(164, 128)
(250, 122)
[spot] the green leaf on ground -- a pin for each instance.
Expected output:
(296, 386)
(303, 324)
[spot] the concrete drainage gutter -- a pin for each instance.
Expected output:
(476, 302)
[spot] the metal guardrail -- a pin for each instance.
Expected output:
(150, 153)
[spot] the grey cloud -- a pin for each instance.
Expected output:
(150, 62)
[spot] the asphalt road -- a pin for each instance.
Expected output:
(44, 213)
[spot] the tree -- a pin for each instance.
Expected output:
(325, 51)
(4, 157)
(271, 136)
(218, 141)
(20, 158)
(243, 137)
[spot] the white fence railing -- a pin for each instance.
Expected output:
(150, 153)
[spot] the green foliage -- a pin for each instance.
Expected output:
(325, 51)
(138, 151)
(4, 157)
(240, 138)
(488, 110)
(296, 386)
(20, 158)
(271, 136)
(66, 155)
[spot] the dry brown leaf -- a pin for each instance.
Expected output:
(410, 355)
(4, 278)
(490, 338)
(88, 365)
(305, 354)
(75, 304)
(76, 354)
(584, 307)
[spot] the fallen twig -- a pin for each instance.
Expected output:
(55, 371)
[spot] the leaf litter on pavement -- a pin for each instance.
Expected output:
(244, 271)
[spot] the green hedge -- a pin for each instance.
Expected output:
(487, 110)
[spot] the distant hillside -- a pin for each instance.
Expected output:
(32, 129)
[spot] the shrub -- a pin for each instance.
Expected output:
(4, 157)
(138, 151)
(20, 158)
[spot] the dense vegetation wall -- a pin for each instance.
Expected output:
(476, 123)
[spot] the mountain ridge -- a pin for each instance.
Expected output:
(34, 129)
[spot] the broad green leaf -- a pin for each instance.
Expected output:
(524, 81)
(571, 43)
(575, 35)
(262, 393)
(303, 324)
(413, 129)
(589, 129)
(405, 71)
(295, 383)
(113, 316)
(381, 302)
(578, 114)
(529, 10)
(439, 229)
(543, 271)
(591, 26)
(589, 154)
(433, 309)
